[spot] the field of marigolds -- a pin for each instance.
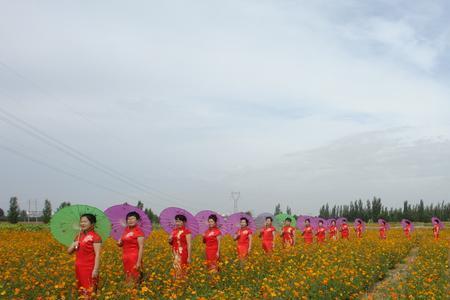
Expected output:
(35, 266)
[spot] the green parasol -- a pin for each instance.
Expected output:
(279, 220)
(65, 224)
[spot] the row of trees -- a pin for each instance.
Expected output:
(15, 214)
(373, 209)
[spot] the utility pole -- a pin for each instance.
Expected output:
(235, 196)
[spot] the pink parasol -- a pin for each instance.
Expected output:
(167, 220)
(315, 222)
(301, 221)
(362, 223)
(404, 222)
(117, 216)
(260, 220)
(329, 221)
(234, 222)
(434, 219)
(203, 224)
(339, 221)
(380, 222)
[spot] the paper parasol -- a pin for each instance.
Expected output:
(362, 223)
(328, 224)
(315, 222)
(280, 218)
(380, 222)
(167, 220)
(403, 222)
(234, 222)
(117, 216)
(203, 225)
(301, 221)
(65, 223)
(260, 220)
(433, 221)
(339, 221)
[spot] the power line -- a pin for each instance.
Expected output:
(75, 154)
(98, 165)
(56, 169)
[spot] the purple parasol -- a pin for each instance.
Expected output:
(301, 221)
(117, 216)
(315, 222)
(434, 219)
(203, 225)
(357, 220)
(261, 219)
(234, 222)
(329, 221)
(403, 222)
(339, 221)
(167, 220)
(381, 221)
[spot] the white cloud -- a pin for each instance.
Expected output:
(189, 100)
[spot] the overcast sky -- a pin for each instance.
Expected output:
(179, 103)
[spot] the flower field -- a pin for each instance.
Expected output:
(35, 266)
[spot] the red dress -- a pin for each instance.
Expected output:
(243, 242)
(382, 231)
(359, 230)
(344, 231)
(267, 239)
(85, 260)
(436, 229)
(407, 230)
(288, 236)
(308, 234)
(210, 238)
(180, 250)
(321, 231)
(130, 251)
(333, 232)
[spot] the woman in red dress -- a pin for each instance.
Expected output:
(333, 231)
(359, 229)
(308, 232)
(211, 238)
(244, 240)
(288, 234)
(407, 229)
(321, 232)
(181, 246)
(268, 235)
(344, 230)
(436, 228)
(87, 245)
(383, 229)
(132, 243)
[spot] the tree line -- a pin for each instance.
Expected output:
(15, 214)
(370, 210)
(374, 209)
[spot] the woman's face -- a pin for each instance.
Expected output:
(307, 222)
(268, 222)
(132, 221)
(320, 224)
(85, 224)
(243, 223)
(287, 223)
(179, 223)
(211, 223)
(333, 223)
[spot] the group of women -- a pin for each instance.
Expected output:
(87, 244)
